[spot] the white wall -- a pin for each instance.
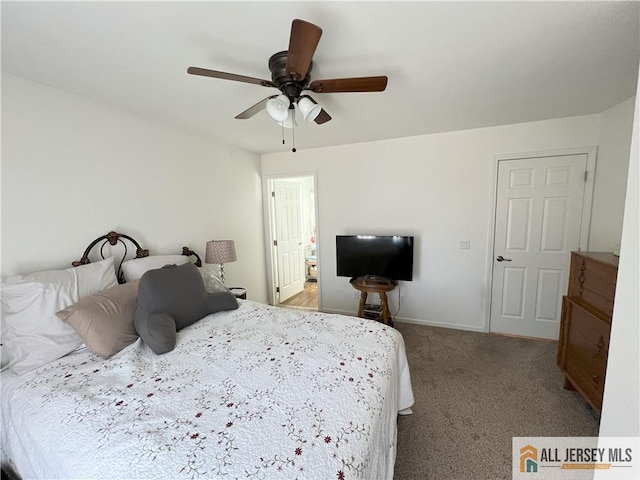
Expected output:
(621, 406)
(73, 169)
(437, 188)
(611, 170)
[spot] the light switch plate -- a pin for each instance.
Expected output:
(464, 244)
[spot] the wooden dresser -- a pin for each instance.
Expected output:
(583, 346)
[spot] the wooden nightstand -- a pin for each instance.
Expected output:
(239, 292)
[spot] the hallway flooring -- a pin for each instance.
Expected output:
(308, 298)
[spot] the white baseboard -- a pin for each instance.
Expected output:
(429, 323)
(341, 312)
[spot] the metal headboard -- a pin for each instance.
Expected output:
(113, 238)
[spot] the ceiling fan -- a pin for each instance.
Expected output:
(290, 73)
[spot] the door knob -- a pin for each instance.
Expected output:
(500, 258)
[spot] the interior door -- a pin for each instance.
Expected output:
(538, 218)
(289, 244)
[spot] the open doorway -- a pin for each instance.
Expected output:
(292, 241)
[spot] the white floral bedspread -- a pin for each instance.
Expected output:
(257, 393)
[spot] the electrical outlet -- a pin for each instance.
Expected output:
(464, 244)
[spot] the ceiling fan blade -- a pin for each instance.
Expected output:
(251, 111)
(302, 45)
(323, 117)
(204, 72)
(355, 84)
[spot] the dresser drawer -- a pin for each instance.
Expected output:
(584, 349)
(600, 299)
(593, 280)
(589, 383)
(587, 335)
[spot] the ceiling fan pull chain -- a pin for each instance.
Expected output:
(282, 127)
(293, 129)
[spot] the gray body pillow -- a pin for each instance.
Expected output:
(171, 298)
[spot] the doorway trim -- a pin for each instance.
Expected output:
(585, 221)
(269, 229)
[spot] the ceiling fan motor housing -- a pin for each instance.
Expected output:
(283, 80)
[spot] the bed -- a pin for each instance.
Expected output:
(257, 392)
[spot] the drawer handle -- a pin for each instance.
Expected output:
(580, 284)
(600, 347)
(581, 279)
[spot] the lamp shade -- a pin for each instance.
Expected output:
(308, 109)
(220, 251)
(278, 108)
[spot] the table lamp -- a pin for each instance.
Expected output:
(220, 252)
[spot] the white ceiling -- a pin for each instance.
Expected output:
(451, 65)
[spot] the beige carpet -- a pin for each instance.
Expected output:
(475, 391)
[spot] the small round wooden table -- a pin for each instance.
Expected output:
(381, 287)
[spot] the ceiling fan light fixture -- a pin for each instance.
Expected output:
(278, 108)
(290, 121)
(308, 109)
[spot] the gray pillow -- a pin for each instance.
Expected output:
(212, 282)
(171, 298)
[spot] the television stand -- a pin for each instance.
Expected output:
(366, 286)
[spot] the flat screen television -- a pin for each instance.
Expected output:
(389, 257)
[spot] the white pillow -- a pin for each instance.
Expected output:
(81, 281)
(33, 335)
(135, 268)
